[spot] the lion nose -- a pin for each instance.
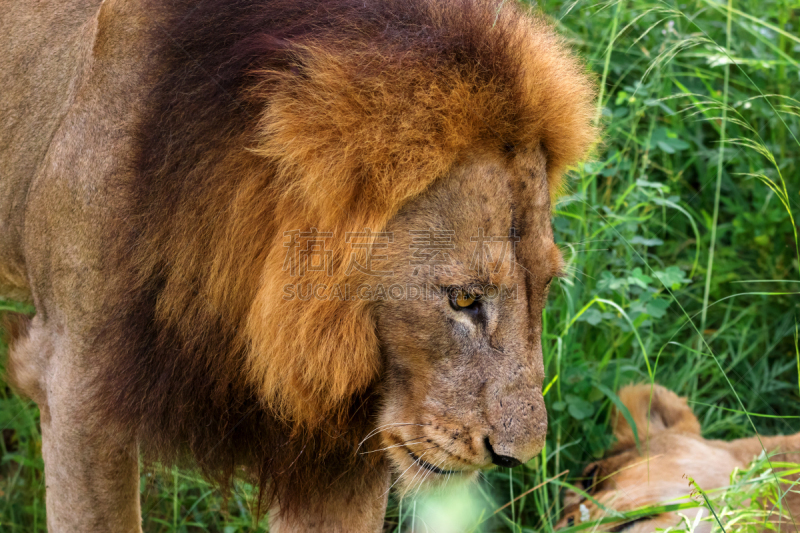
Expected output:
(501, 460)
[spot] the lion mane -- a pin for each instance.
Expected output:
(273, 117)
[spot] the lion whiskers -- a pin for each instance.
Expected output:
(421, 439)
(384, 427)
(424, 471)
(404, 473)
(429, 472)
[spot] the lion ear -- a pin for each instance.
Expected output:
(653, 409)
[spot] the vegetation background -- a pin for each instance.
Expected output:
(683, 258)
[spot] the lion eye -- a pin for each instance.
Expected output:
(461, 299)
(464, 300)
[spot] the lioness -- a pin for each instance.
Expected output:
(671, 450)
(225, 213)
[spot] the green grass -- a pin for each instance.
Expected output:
(683, 256)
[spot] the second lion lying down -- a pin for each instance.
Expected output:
(670, 450)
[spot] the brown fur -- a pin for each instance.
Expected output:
(14, 329)
(671, 448)
(182, 140)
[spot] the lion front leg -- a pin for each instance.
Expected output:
(92, 474)
(353, 505)
(92, 483)
(91, 468)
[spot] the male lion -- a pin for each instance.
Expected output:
(225, 211)
(670, 451)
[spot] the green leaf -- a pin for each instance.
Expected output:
(639, 278)
(592, 316)
(579, 408)
(638, 239)
(666, 147)
(608, 282)
(650, 184)
(673, 277)
(657, 307)
(667, 141)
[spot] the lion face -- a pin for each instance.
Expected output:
(463, 361)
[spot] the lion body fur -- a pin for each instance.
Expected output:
(671, 450)
(154, 158)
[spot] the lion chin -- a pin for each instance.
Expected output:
(418, 475)
(671, 450)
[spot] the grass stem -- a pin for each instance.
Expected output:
(720, 167)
